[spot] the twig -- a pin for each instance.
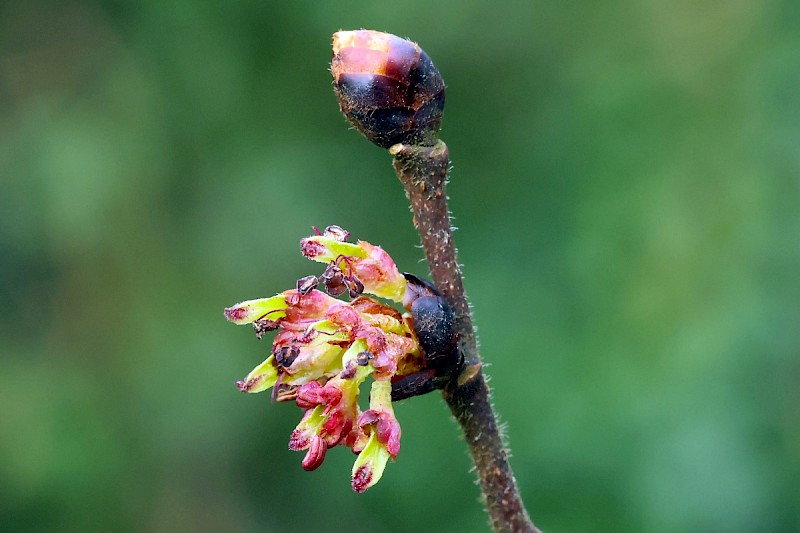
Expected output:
(423, 172)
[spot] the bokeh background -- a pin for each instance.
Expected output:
(626, 184)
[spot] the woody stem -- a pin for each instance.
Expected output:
(423, 172)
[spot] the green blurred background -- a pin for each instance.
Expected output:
(626, 186)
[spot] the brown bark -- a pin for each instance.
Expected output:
(423, 172)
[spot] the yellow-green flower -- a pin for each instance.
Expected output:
(382, 432)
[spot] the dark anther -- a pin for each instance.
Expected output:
(349, 371)
(331, 271)
(286, 355)
(334, 288)
(354, 286)
(337, 233)
(364, 358)
(284, 393)
(334, 280)
(307, 284)
(263, 325)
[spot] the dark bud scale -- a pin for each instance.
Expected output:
(387, 87)
(435, 326)
(434, 321)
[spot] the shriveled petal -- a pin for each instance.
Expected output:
(392, 350)
(332, 412)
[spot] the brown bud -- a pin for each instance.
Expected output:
(387, 87)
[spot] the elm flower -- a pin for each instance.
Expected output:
(381, 438)
(326, 348)
(354, 266)
(331, 411)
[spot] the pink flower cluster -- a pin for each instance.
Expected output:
(326, 348)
